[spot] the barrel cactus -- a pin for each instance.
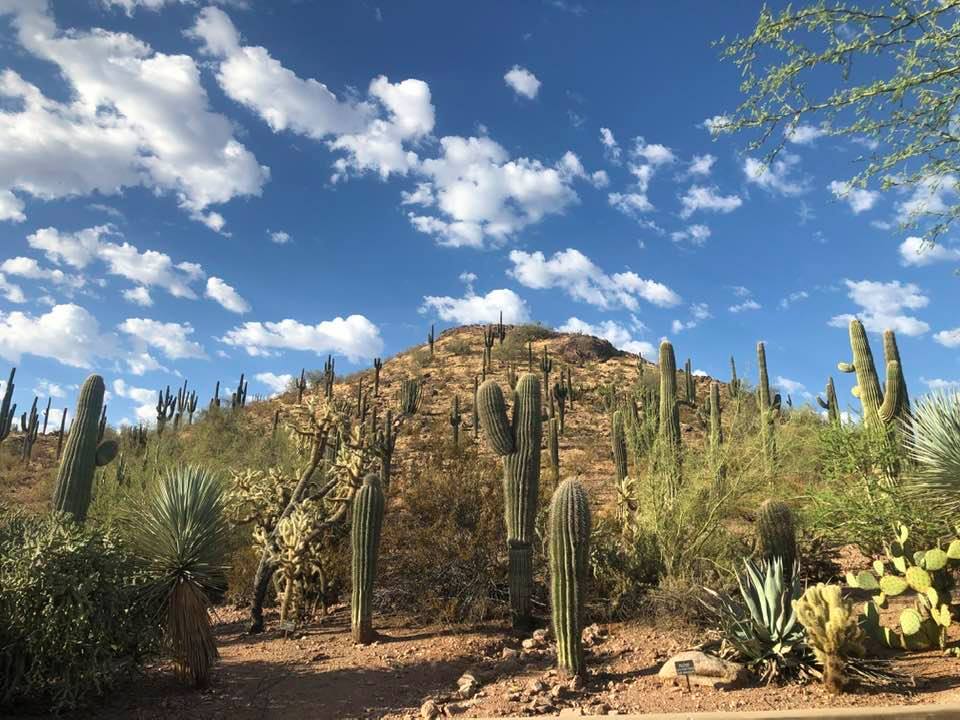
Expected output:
(776, 533)
(82, 455)
(365, 545)
(518, 443)
(569, 538)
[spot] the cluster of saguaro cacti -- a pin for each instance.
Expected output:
(668, 437)
(30, 427)
(8, 408)
(927, 575)
(215, 400)
(880, 407)
(569, 541)
(769, 409)
(777, 534)
(518, 443)
(367, 522)
(455, 420)
(83, 454)
(410, 396)
(830, 404)
(239, 397)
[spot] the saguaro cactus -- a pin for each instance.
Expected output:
(716, 439)
(879, 408)
(776, 533)
(518, 443)
(769, 411)
(689, 385)
(735, 385)
(891, 353)
(7, 410)
(569, 537)
(830, 404)
(30, 427)
(377, 367)
(668, 437)
(82, 455)
(618, 438)
(553, 445)
(365, 546)
(455, 419)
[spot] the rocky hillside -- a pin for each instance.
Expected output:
(450, 371)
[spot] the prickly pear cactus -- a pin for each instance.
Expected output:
(82, 455)
(518, 443)
(365, 544)
(569, 538)
(926, 574)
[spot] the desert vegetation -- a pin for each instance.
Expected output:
(797, 544)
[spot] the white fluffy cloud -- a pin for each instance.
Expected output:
(746, 305)
(373, 133)
(279, 237)
(138, 296)
(882, 306)
(224, 294)
(573, 272)
(776, 178)
(791, 387)
(934, 195)
(135, 117)
(941, 385)
(618, 335)
(914, 251)
(144, 398)
(31, 269)
(804, 134)
(354, 336)
(701, 165)
(172, 339)
(948, 338)
(67, 333)
(276, 383)
(699, 197)
(474, 308)
(859, 199)
(793, 298)
(698, 313)
(522, 81)
(610, 147)
(630, 203)
(694, 234)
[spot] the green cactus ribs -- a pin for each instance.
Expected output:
(518, 443)
(82, 454)
(367, 523)
(569, 540)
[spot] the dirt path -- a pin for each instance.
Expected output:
(320, 673)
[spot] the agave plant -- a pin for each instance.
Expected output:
(179, 534)
(934, 444)
(761, 626)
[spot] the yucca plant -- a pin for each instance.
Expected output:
(761, 626)
(934, 444)
(179, 534)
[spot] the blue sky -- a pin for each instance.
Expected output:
(192, 191)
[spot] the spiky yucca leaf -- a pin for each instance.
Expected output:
(935, 446)
(179, 535)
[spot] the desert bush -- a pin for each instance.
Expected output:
(458, 346)
(623, 567)
(514, 346)
(73, 617)
(443, 553)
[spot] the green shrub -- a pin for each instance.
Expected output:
(458, 346)
(72, 615)
(623, 567)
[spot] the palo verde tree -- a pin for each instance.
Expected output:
(884, 74)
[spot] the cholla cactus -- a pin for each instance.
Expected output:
(297, 561)
(833, 631)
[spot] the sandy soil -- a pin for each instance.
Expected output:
(320, 673)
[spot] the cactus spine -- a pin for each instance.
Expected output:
(669, 428)
(569, 537)
(830, 404)
(776, 533)
(82, 455)
(879, 408)
(365, 545)
(769, 410)
(518, 443)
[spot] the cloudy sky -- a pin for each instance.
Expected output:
(195, 191)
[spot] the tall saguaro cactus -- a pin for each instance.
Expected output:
(879, 408)
(891, 353)
(668, 435)
(518, 443)
(569, 538)
(618, 438)
(82, 455)
(769, 411)
(365, 530)
(8, 409)
(830, 404)
(716, 439)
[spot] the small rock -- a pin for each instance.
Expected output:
(575, 684)
(529, 644)
(536, 686)
(542, 635)
(429, 710)
(467, 685)
(705, 666)
(509, 653)
(558, 691)
(571, 712)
